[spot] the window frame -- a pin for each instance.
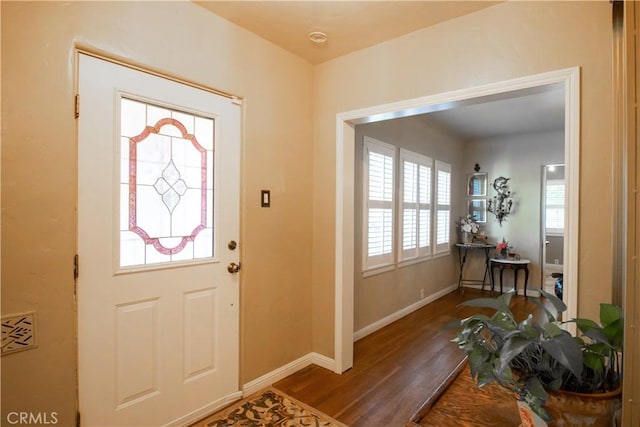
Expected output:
(397, 256)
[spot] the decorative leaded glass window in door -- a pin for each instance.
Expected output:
(166, 185)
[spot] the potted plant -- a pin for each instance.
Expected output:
(536, 358)
(468, 228)
(503, 247)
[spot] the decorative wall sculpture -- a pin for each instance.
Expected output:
(500, 205)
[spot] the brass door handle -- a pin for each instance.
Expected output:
(233, 268)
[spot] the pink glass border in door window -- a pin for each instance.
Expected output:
(133, 156)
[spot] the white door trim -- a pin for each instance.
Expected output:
(345, 139)
(90, 51)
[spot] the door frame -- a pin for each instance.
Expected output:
(80, 49)
(344, 213)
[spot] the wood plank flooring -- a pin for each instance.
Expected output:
(395, 369)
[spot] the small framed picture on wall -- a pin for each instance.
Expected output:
(477, 185)
(478, 209)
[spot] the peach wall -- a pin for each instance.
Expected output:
(505, 41)
(39, 181)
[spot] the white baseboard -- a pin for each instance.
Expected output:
(401, 313)
(286, 370)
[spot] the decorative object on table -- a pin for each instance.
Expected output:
(500, 205)
(468, 228)
(504, 248)
(544, 364)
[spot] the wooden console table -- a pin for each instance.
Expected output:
(511, 264)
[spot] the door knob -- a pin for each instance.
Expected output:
(233, 268)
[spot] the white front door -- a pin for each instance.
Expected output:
(158, 218)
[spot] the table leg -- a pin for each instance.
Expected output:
(492, 277)
(526, 279)
(462, 257)
(501, 271)
(486, 268)
(515, 281)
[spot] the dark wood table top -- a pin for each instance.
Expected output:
(459, 402)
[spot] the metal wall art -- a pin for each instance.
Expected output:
(500, 205)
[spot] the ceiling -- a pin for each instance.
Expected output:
(349, 25)
(355, 25)
(525, 111)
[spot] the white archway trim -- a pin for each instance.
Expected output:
(344, 225)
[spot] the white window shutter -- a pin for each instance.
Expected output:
(443, 207)
(415, 206)
(378, 214)
(424, 199)
(421, 226)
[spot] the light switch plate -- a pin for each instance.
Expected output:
(265, 198)
(18, 332)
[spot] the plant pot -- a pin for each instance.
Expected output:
(580, 409)
(575, 409)
(466, 237)
(529, 418)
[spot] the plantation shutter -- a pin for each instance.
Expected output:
(424, 199)
(443, 207)
(379, 202)
(414, 212)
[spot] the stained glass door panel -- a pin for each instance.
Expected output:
(166, 185)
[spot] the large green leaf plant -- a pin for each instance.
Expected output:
(537, 354)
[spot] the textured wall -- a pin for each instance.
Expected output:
(39, 176)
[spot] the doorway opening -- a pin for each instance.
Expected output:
(345, 148)
(552, 229)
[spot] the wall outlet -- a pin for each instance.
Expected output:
(422, 293)
(18, 332)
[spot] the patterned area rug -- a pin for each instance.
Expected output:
(270, 407)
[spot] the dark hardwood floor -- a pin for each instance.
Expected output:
(395, 369)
